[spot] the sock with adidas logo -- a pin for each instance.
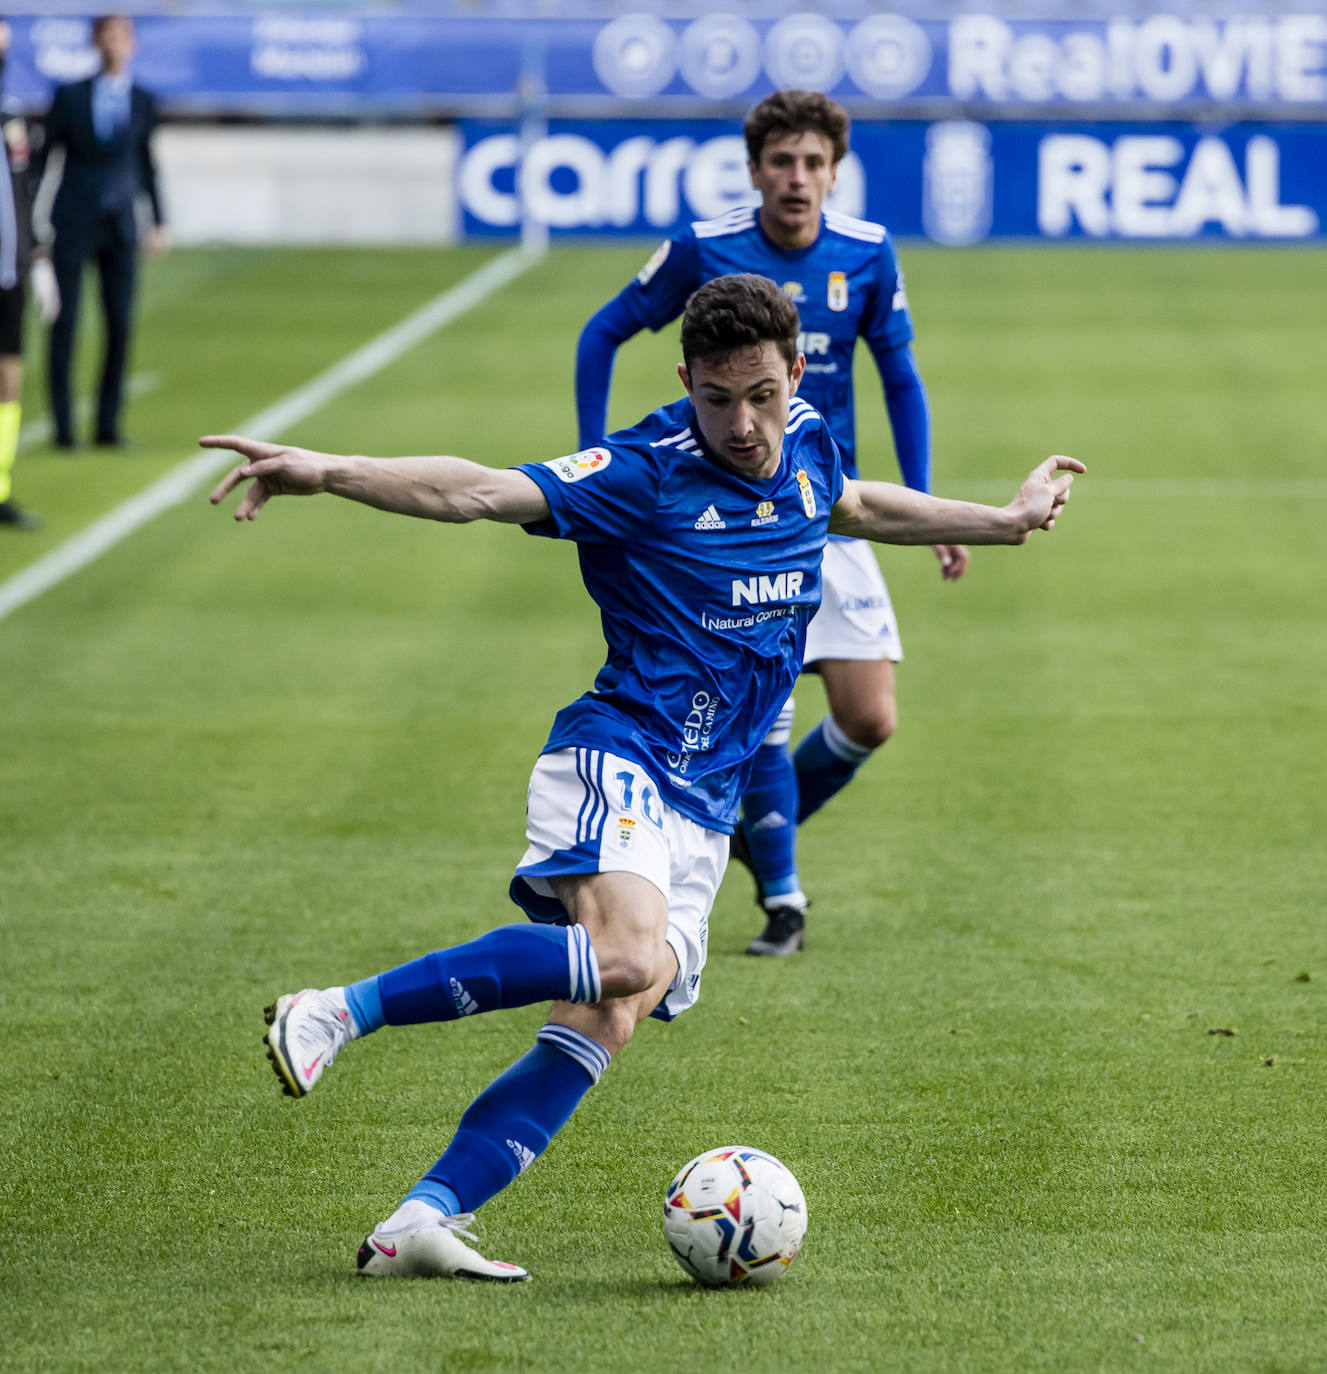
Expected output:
(769, 811)
(510, 966)
(508, 1126)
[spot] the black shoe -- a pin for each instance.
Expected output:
(18, 518)
(741, 851)
(784, 933)
(115, 441)
(64, 441)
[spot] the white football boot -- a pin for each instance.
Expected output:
(309, 1029)
(428, 1245)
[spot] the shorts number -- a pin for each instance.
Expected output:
(646, 799)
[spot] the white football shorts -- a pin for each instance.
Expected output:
(856, 616)
(592, 812)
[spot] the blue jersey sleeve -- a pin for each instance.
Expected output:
(909, 415)
(886, 323)
(602, 495)
(658, 293)
(832, 464)
(610, 326)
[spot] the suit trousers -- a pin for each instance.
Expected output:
(111, 242)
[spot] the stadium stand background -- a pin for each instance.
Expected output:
(413, 120)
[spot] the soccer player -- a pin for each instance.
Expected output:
(704, 601)
(842, 275)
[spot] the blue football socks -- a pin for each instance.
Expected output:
(511, 966)
(769, 819)
(508, 1126)
(825, 762)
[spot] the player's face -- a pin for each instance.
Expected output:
(794, 175)
(742, 406)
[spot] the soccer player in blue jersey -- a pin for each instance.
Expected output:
(842, 275)
(700, 533)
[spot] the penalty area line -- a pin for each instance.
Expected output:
(182, 481)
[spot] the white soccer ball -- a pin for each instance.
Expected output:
(734, 1216)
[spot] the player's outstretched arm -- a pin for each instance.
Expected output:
(448, 489)
(895, 515)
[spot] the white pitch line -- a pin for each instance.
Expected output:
(183, 480)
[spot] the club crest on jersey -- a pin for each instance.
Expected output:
(765, 514)
(793, 290)
(837, 296)
(646, 273)
(807, 492)
(577, 465)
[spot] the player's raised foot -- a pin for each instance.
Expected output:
(308, 1030)
(784, 933)
(432, 1249)
(739, 849)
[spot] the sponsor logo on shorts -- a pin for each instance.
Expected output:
(583, 464)
(863, 603)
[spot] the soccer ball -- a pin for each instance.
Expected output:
(734, 1216)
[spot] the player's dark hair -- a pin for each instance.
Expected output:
(797, 112)
(745, 311)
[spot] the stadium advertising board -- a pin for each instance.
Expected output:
(955, 181)
(1160, 63)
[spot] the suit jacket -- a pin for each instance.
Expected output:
(99, 178)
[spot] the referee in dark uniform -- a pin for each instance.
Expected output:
(105, 127)
(16, 186)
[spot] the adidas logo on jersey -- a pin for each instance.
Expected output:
(465, 1004)
(710, 519)
(525, 1156)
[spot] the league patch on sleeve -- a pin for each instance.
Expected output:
(647, 272)
(577, 465)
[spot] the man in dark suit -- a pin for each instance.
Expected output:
(104, 126)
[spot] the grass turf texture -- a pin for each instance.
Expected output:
(238, 761)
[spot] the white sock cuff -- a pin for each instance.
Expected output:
(781, 730)
(583, 966)
(840, 745)
(588, 1053)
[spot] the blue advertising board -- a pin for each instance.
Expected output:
(300, 60)
(954, 181)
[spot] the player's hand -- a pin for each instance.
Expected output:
(276, 470)
(953, 560)
(1042, 496)
(156, 242)
(45, 290)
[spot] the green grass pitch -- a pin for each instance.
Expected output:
(236, 761)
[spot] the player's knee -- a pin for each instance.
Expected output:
(870, 728)
(627, 975)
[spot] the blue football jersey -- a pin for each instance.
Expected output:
(705, 583)
(846, 285)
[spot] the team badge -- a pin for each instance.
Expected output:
(837, 298)
(583, 464)
(626, 831)
(793, 290)
(808, 494)
(764, 514)
(655, 263)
